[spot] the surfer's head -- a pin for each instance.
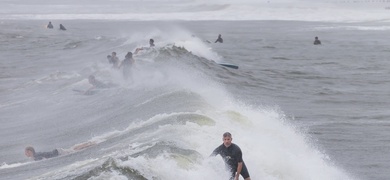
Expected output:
(227, 139)
(151, 42)
(29, 151)
(129, 55)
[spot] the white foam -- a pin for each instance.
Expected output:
(7, 166)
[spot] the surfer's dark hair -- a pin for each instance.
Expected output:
(129, 55)
(29, 148)
(227, 134)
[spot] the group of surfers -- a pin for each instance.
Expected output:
(50, 26)
(125, 65)
(230, 153)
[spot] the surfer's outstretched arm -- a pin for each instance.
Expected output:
(238, 172)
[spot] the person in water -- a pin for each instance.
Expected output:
(127, 65)
(317, 41)
(219, 39)
(232, 157)
(30, 151)
(95, 84)
(62, 27)
(49, 26)
(114, 60)
(151, 44)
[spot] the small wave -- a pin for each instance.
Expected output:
(72, 45)
(118, 165)
(269, 47)
(4, 165)
(315, 132)
(110, 166)
(59, 75)
(359, 28)
(167, 147)
(280, 58)
(206, 7)
(297, 72)
(326, 63)
(327, 92)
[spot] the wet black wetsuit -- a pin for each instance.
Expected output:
(220, 40)
(50, 26)
(41, 155)
(317, 42)
(232, 155)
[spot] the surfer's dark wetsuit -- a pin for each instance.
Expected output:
(62, 27)
(50, 26)
(317, 41)
(232, 155)
(41, 155)
(219, 39)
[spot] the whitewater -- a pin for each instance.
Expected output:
(297, 111)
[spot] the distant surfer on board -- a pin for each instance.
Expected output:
(95, 85)
(219, 39)
(232, 157)
(30, 151)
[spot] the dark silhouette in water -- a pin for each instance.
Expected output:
(62, 27)
(220, 40)
(316, 41)
(127, 65)
(49, 26)
(114, 60)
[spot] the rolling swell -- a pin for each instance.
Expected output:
(183, 58)
(109, 166)
(184, 157)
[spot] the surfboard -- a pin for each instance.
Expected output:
(229, 65)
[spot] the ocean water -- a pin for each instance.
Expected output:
(297, 111)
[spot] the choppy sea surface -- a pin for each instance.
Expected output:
(297, 111)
